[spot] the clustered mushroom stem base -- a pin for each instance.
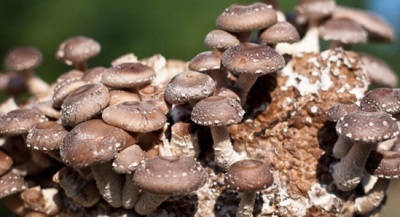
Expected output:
(244, 84)
(348, 172)
(109, 183)
(246, 204)
(224, 153)
(130, 192)
(366, 204)
(148, 202)
(341, 148)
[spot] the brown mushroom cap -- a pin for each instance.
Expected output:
(339, 110)
(368, 126)
(23, 58)
(46, 136)
(248, 175)
(378, 29)
(126, 75)
(93, 142)
(77, 49)
(385, 99)
(128, 159)
(11, 183)
(220, 39)
(384, 164)
(84, 103)
(170, 175)
(205, 61)
(64, 88)
(217, 111)
(343, 30)
(93, 75)
(378, 71)
(20, 121)
(281, 32)
(141, 117)
(119, 96)
(243, 18)
(315, 9)
(250, 58)
(188, 85)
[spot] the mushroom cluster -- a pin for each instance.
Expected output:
(260, 124)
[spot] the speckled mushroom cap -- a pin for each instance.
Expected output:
(343, 30)
(188, 85)
(93, 75)
(281, 32)
(385, 99)
(46, 136)
(84, 103)
(248, 175)
(170, 175)
(77, 49)
(5, 162)
(205, 61)
(220, 39)
(140, 117)
(217, 111)
(23, 58)
(383, 164)
(315, 9)
(378, 71)
(243, 18)
(118, 96)
(339, 110)
(11, 183)
(93, 142)
(64, 88)
(126, 75)
(367, 126)
(20, 121)
(251, 58)
(128, 159)
(378, 29)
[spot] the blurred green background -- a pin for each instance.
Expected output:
(173, 28)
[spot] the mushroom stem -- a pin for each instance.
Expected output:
(109, 183)
(148, 202)
(130, 192)
(36, 86)
(341, 148)
(348, 172)
(224, 153)
(244, 84)
(367, 204)
(246, 204)
(81, 66)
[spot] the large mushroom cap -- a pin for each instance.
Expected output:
(385, 99)
(23, 58)
(93, 142)
(343, 30)
(378, 71)
(368, 126)
(140, 117)
(251, 58)
(77, 49)
(127, 75)
(243, 18)
(45, 136)
(170, 175)
(217, 111)
(84, 103)
(315, 9)
(248, 175)
(189, 85)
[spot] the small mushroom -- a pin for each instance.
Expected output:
(378, 71)
(383, 164)
(163, 176)
(220, 40)
(248, 176)
(189, 86)
(45, 136)
(249, 61)
(5, 162)
(20, 121)
(363, 129)
(46, 200)
(11, 183)
(218, 112)
(77, 50)
(280, 32)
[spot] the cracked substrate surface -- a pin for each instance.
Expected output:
(291, 135)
